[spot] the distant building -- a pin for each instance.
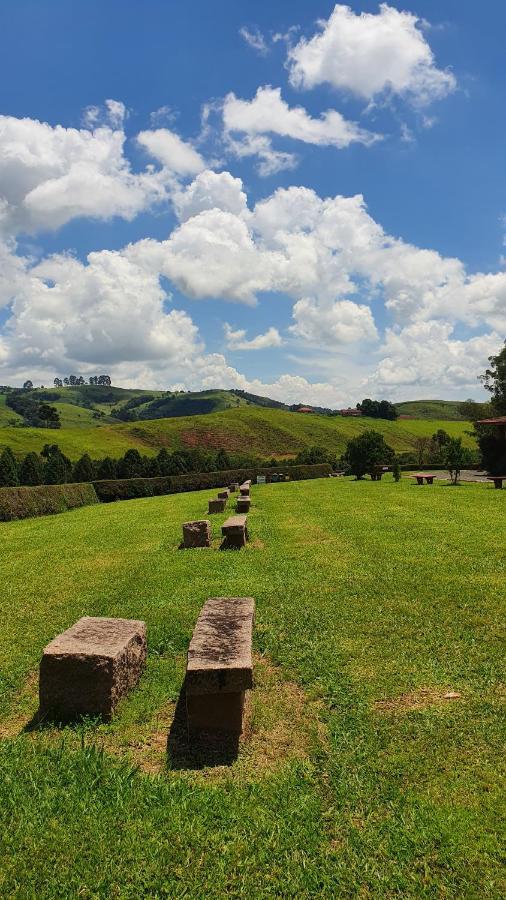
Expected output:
(305, 409)
(351, 411)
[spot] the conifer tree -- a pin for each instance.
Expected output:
(9, 475)
(84, 469)
(31, 471)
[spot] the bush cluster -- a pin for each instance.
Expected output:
(131, 488)
(25, 502)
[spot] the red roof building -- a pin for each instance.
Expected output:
(351, 411)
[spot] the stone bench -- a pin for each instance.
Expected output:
(224, 494)
(219, 665)
(243, 504)
(217, 505)
(87, 669)
(497, 479)
(197, 534)
(244, 488)
(420, 476)
(235, 531)
(234, 487)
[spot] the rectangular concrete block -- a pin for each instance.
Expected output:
(235, 531)
(220, 667)
(243, 504)
(87, 669)
(234, 487)
(197, 534)
(224, 494)
(217, 505)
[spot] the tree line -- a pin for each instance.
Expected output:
(52, 466)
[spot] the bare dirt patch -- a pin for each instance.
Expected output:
(424, 698)
(281, 725)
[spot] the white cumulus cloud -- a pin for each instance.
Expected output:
(370, 54)
(236, 339)
(268, 113)
(168, 148)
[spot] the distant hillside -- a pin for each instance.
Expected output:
(266, 432)
(430, 409)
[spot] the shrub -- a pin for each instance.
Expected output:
(456, 457)
(23, 502)
(367, 451)
(131, 488)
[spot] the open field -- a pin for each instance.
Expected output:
(430, 409)
(267, 432)
(360, 778)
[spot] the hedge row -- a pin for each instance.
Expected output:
(25, 502)
(130, 488)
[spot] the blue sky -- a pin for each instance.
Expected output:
(177, 184)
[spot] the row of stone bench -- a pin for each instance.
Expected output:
(89, 668)
(234, 530)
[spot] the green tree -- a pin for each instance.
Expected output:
(455, 457)
(108, 469)
(222, 460)
(365, 452)
(163, 460)
(441, 437)
(131, 465)
(58, 469)
(494, 381)
(9, 475)
(396, 470)
(31, 471)
(84, 470)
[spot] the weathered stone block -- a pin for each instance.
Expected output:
(243, 504)
(234, 487)
(197, 534)
(220, 668)
(224, 494)
(87, 669)
(217, 505)
(235, 531)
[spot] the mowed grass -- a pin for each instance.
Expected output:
(267, 432)
(361, 778)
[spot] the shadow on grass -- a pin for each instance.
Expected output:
(205, 748)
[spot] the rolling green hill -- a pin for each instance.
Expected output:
(267, 432)
(430, 409)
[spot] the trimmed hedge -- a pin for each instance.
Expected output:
(43, 500)
(131, 488)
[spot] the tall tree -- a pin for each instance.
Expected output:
(58, 469)
(132, 465)
(494, 381)
(107, 469)
(31, 470)
(84, 469)
(28, 385)
(9, 475)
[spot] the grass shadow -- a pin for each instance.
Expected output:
(203, 750)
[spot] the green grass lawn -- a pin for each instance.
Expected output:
(358, 778)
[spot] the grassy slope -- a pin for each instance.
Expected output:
(397, 794)
(430, 409)
(265, 431)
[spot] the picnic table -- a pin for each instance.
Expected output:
(420, 476)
